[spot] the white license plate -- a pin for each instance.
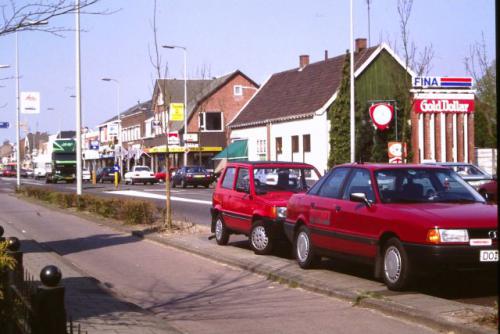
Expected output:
(199, 176)
(488, 256)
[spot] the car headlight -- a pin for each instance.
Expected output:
(437, 236)
(281, 211)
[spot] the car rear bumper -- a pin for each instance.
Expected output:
(448, 256)
(196, 181)
(144, 179)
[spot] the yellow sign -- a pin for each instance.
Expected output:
(176, 111)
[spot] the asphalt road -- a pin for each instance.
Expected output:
(192, 293)
(190, 204)
(193, 204)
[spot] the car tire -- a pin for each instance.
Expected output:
(195, 186)
(396, 266)
(260, 238)
(304, 250)
(207, 185)
(221, 231)
(173, 183)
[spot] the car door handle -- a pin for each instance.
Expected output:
(337, 208)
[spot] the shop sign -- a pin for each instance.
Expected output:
(176, 112)
(173, 138)
(381, 115)
(94, 145)
(191, 137)
(443, 105)
(30, 102)
(442, 82)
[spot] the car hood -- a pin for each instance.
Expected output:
(451, 215)
(277, 198)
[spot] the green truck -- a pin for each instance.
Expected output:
(63, 162)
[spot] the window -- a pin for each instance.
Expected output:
(331, 186)
(359, 182)
(306, 143)
(238, 90)
(279, 145)
(229, 178)
(261, 146)
(243, 180)
(211, 121)
(295, 144)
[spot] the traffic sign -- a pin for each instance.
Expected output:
(4, 125)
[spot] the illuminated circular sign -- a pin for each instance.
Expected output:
(381, 115)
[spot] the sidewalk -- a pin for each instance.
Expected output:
(88, 302)
(91, 306)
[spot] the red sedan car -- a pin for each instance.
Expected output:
(490, 191)
(161, 175)
(403, 219)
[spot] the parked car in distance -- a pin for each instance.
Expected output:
(24, 172)
(489, 190)
(86, 175)
(192, 176)
(241, 204)
(161, 175)
(421, 218)
(140, 174)
(474, 175)
(10, 170)
(106, 174)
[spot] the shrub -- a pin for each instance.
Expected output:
(130, 211)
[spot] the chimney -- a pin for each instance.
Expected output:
(304, 61)
(326, 54)
(360, 44)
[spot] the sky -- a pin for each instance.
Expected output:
(258, 37)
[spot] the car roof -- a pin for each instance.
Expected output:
(376, 166)
(263, 163)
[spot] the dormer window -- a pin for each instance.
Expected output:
(238, 90)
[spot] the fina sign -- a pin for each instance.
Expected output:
(442, 82)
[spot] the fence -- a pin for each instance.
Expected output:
(29, 306)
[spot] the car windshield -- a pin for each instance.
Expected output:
(195, 170)
(284, 179)
(419, 185)
(142, 169)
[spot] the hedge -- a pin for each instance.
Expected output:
(127, 210)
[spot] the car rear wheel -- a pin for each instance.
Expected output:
(260, 239)
(221, 232)
(304, 250)
(396, 265)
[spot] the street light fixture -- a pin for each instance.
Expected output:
(18, 153)
(119, 118)
(185, 95)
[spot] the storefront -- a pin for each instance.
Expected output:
(442, 119)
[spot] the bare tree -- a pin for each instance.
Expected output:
(28, 16)
(484, 73)
(156, 62)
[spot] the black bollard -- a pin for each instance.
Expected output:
(13, 246)
(2, 239)
(48, 302)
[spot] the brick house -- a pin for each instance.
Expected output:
(211, 105)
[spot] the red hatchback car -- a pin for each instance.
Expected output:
(402, 218)
(250, 198)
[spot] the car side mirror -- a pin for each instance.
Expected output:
(360, 198)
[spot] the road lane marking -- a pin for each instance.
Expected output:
(135, 193)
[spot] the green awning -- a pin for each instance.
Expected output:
(237, 150)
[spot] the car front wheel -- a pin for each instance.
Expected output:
(304, 250)
(396, 265)
(260, 239)
(221, 232)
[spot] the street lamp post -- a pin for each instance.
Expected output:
(185, 94)
(119, 119)
(18, 146)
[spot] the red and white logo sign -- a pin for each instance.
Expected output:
(381, 115)
(443, 105)
(173, 138)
